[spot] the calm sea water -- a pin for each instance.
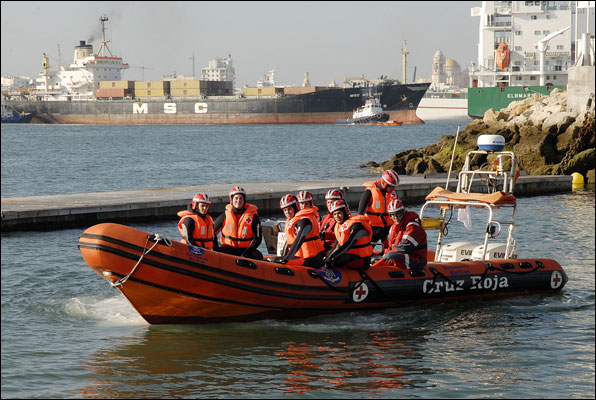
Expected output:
(59, 159)
(66, 333)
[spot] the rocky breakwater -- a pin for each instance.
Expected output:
(546, 138)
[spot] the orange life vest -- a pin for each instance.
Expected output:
(377, 208)
(203, 232)
(237, 232)
(313, 244)
(362, 247)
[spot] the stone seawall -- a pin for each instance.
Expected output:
(546, 137)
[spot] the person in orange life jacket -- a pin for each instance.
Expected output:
(407, 240)
(302, 232)
(305, 200)
(328, 222)
(289, 206)
(353, 235)
(240, 227)
(195, 225)
(374, 200)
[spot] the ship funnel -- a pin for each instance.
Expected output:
(82, 51)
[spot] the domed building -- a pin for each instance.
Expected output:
(452, 69)
(447, 73)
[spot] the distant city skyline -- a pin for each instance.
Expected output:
(329, 40)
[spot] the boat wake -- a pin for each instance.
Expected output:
(112, 310)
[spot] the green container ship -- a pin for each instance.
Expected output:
(481, 99)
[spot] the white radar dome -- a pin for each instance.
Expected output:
(491, 142)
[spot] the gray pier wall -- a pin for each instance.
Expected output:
(86, 209)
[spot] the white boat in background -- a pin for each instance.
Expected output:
(371, 112)
(443, 105)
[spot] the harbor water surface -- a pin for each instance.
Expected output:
(66, 333)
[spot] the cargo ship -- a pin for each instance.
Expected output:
(526, 48)
(497, 98)
(91, 91)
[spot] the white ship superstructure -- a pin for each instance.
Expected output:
(219, 69)
(79, 80)
(542, 36)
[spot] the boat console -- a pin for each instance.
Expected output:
(489, 188)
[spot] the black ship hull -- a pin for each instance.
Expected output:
(324, 106)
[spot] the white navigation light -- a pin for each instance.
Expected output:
(491, 142)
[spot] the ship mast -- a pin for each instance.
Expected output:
(404, 60)
(104, 42)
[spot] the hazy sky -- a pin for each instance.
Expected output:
(330, 40)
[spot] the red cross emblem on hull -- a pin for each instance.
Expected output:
(360, 293)
(556, 279)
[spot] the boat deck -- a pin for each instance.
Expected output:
(84, 209)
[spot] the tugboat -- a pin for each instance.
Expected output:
(370, 113)
(167, 281)
(11, 117)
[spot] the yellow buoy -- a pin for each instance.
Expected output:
(577, 181)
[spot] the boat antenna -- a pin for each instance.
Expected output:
(452, 157)
(104, 42)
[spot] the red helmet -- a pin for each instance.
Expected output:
(334, 194)
(395, 206)
(237, 190)
(390, 177)
(287, 200)
(201, 198)
(304, 196)
(337, 205)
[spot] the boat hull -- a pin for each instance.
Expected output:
(497, 98)
(321, 107)
(17, 119)
(442, 108)
(178, 283)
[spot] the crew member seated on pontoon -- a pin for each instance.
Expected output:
(240, 227)
(305, 201)
(353, 235)
(302, 235)
(195, 225)
(407, 240)
(328, 222)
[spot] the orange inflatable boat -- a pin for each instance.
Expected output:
(179, 283)
(167, 281)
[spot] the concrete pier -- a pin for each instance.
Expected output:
(86, 209)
